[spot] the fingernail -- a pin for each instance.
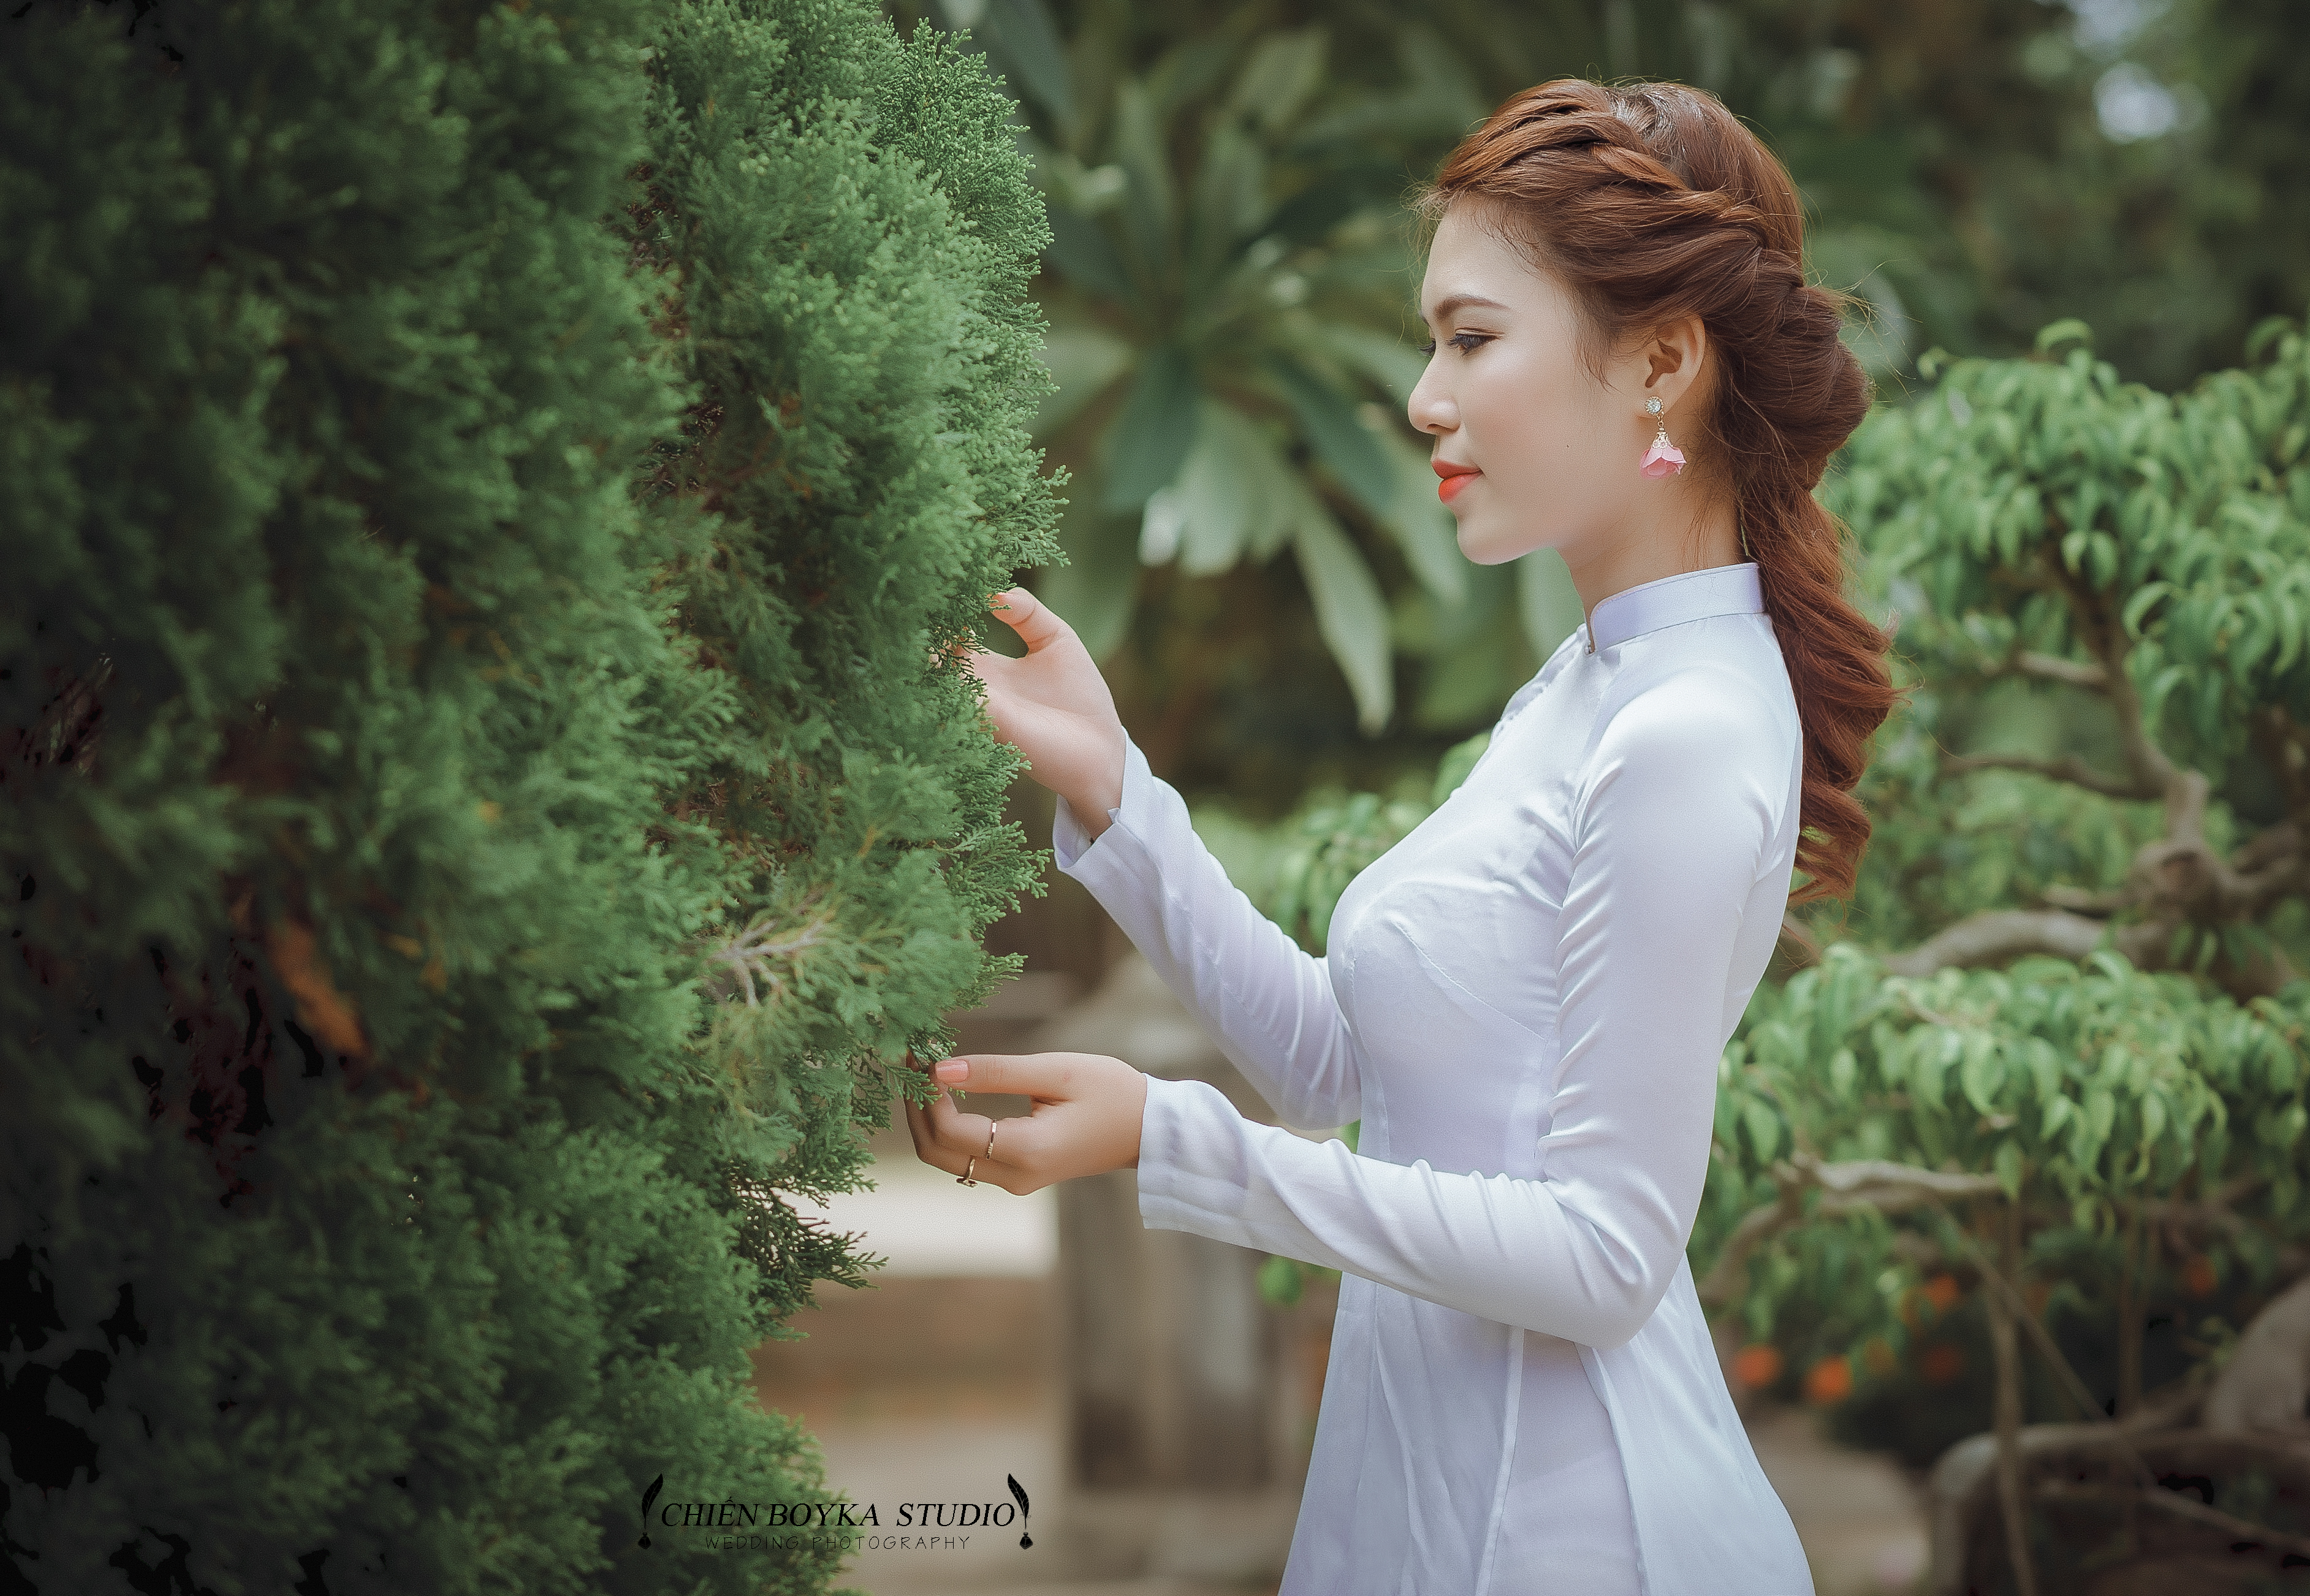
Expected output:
(952, 1071)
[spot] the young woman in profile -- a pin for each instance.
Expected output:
(1526, 1000)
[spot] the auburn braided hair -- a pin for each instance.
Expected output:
(1650, 201)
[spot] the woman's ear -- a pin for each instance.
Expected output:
(1673, 353)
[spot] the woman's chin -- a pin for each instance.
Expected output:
(1488, 545)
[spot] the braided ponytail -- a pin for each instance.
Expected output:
(1651, 201)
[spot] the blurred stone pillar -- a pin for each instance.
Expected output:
(1172, 1359)
(1189, 1400)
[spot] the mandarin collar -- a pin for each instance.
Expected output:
(1672, 601)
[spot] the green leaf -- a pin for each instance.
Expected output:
(2068, 330)
(2045, 1067)
(1283, 70)
(1028, 41)
(1423, 529)
(1458, 760)
(1151, 435)
(1095, 589)
(1349, 611)
(1082, 360)
(1931, 1050)
(1229, 199)
(1547, 602)
(1080, 251)
(1843, 1071)
(1224, 498)
(1390, 363)
(1764, 1128)
(1309, 216)
(1341, 442)
(1147, 201)
(1982, 1073)
(2266, 331)
(2007, 1166)
(1438, 103)
(1468, 675)
(1282, 1280)
(2111, 964)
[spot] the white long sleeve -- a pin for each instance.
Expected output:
(1262, 998)
(1525, 1002)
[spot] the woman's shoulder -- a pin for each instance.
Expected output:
(1713, 702)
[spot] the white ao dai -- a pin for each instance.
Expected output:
(1525, 1002)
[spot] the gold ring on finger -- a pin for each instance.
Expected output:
(989, 1153)
(964, 1178)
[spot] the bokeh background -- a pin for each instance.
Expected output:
(1257, 556)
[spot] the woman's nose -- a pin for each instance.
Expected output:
(1429, 410)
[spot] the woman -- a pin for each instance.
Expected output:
(1526, 1000)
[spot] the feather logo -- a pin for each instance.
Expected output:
(1019, 1491)
(649, 1497)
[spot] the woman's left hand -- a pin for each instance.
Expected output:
(1085, 1119)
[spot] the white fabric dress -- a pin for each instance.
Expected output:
(1525, 1002)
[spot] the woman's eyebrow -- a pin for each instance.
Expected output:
(1445, 307)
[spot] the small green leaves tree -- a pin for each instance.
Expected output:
(2131, 573)
(2057, 1050)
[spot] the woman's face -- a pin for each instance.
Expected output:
(1541, 453)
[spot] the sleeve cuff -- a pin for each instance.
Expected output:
(1070, 842)
(1182, 1119)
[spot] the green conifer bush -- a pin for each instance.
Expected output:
(858, 462)
(490, 492)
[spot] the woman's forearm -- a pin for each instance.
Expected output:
(1261, 997)
(1587, 1261)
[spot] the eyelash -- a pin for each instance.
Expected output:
(1467, 343)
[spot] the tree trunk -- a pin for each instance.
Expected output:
(2133, 1277)
(2004, 1345)
(1187, 1405)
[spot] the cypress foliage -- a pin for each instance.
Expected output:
(484, 797)
(857, 473)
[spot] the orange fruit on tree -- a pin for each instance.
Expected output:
(2198, 1277)
(1829, 1381)
(1757, 1367)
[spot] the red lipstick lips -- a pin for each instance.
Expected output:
(1456, 478)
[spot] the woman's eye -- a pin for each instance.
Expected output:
(1467, 343)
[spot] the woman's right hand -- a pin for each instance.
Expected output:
(1053, 707)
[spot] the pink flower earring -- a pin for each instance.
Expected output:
(1664, 457)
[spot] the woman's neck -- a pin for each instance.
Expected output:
(1702, 536)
